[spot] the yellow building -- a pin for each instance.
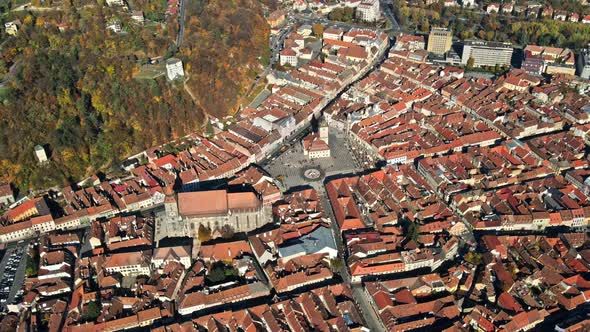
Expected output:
(440, 40)
(556, 69)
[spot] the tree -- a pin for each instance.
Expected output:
(3, 68)
(470, 62)
(92, 311)
(345, 14)
(215, 274)
(425, 25)
(220, 272)
(209, 128)
(336, 263)
(203, 233)
(412, 231)
(489, 35)
(78, 85)
(32, 264)
(317, 29)
(473, 258)
(227, 232)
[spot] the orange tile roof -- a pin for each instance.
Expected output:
(202, 202)
(242, 201)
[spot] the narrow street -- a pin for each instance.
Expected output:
(181, 19)
(364, 303)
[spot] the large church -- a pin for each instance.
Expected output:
(242, 211)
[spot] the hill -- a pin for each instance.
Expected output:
(74, 89)
(225, 44)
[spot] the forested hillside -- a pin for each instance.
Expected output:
(225, 43)
(74, 92)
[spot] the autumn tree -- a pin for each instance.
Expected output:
(317, 29)
(203, 233)
(227, 231)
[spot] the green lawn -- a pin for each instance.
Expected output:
(3, 91)
(150, 72)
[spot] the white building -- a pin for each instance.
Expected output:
(288, 57)
(128, 264)
(179, 254)
(333, 33)
(40, 153)
(368, 10)
(174, 69)
(16, 232)
(11, 28)
(485, 53)
(320, 241)
(137, 16)
(469, 3)
(114, 26)
(112, 3)
(43, 224)
(6, 194)
(314, 147)
(304, 30)
(299, 5)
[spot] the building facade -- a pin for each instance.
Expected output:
(440, 41)
(486, 53)
(40, 153)
(128, 264)
(583, 63)
(368, 11)
(174, 69)
(11, 28)
(6, 194)
(288, 57)
(214, 209)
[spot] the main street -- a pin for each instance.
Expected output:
(290, 165)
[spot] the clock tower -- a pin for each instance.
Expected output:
(171, 207)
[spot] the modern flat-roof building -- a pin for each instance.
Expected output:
(368, 10)
(485, 53)
(440, 40)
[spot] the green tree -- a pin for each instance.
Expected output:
(92, 311)
(209, 128)
(473, 258)
(470, 62)
(3, 68)
(336, 263)
(220, 272)
(32, 263)
(412, 231)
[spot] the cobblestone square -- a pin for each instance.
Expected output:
(291, 166)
